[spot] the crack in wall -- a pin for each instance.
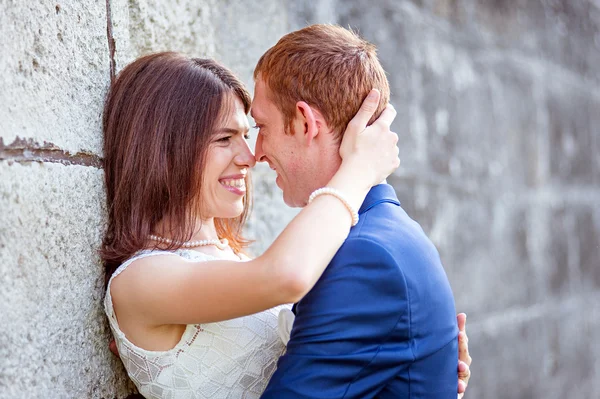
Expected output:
(27, 151)
(111, 41)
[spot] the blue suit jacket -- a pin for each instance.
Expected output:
(380, 322)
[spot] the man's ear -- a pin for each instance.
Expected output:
(311, 121)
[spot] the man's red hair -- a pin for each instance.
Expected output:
(328, 67)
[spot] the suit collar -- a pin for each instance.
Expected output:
(377, 195)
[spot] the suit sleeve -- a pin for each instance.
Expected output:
(347, 340)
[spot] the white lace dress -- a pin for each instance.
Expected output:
(229, 359)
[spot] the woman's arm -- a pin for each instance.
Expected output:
(169, 290)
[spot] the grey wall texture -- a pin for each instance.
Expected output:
(498, 115)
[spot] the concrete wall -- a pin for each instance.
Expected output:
(498, 120)
(498, 114)
(55, 68)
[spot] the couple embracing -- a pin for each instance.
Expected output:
(192, 315)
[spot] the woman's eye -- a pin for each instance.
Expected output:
(224, 139)
(247, 136)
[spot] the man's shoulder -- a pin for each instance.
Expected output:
(388, 225)
(363, 245)
(387, 232)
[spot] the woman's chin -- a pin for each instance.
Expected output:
(231, 212)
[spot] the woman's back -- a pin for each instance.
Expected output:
(227, 359)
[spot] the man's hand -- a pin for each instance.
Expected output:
(464, 360)
(112, 345)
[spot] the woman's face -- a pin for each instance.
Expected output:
(227, 164)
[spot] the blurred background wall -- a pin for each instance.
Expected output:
(498, 115)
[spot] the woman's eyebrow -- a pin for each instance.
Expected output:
(232, 130)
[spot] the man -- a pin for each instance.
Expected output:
(381, 320)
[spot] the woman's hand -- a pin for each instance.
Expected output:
(464, 360)
(370, 151)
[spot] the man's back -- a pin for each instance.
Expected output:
(381, 320)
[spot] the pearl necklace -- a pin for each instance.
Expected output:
(221, 244)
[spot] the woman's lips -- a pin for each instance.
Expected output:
(234, 185)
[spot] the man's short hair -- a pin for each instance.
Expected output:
(328, 67)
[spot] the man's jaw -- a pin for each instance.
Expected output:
(279, 184)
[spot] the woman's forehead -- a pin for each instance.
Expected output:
(234, 116)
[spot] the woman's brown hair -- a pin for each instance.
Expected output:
(159, 116)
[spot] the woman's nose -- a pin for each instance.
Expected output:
(245, 157)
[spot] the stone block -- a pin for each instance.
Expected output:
(233, 31)
(483, 243)
(517, 133)
(142, 27)
(548, 350)
(561, 264)
(242, 34)
(54, 71)
(562, 32)
(565, 33)
(573, 252)
(587, 231)
(573, 121)
(54, 332)
(491, 259)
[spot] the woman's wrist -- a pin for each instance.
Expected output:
(341, 197)
(350, 184)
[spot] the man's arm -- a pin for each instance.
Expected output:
(341, 344)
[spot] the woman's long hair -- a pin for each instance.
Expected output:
(159, 117)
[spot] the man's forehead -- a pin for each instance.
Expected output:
(262, 107)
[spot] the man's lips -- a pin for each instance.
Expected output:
(268, 161)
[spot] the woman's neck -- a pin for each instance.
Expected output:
(204, 229)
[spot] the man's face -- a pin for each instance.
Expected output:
(285, 153)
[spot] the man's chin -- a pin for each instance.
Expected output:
(278, 182)
(293, 202)
(289, 200)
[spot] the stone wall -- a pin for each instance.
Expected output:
(499, 121)
(56, 64)
(497, 112)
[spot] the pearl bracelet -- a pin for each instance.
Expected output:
(338, 195)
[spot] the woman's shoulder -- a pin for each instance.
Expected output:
(157, 262)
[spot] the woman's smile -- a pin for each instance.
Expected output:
(235, 184)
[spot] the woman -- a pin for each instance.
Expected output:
(192, 315)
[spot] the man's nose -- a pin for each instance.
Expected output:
(259, 154)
